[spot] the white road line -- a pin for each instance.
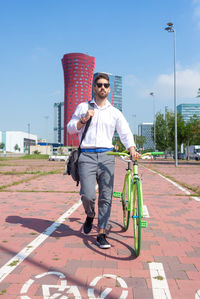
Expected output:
(176, 185)
(145, 212)
(159, 282)
(24, 253)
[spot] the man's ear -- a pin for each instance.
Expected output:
(93, 88)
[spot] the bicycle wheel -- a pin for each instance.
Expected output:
(137, 215)
(126, 202)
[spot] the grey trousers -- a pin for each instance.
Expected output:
(96, 168)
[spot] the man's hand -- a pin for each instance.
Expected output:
(90, 113)
(82, 122)
(135, 155)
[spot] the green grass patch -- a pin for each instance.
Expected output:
(42, 173)
(14, 263)
(34, 156)
(159, 277)
(30, 172)
(2, 292)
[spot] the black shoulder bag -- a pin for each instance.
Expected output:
(72, 163)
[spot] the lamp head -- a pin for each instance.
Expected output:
(169, 29)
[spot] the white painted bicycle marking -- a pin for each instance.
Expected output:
(145, 212)
(197, 295)
(47, 290)
(103, 295)
(64, 291)
(159, 282)
(13, 263)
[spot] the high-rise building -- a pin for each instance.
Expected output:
(78, 77)
(59, 122)
(188, 110)
(115, 95)
(145, 129)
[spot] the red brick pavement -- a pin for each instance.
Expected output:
(171, 238)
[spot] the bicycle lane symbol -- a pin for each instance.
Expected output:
(62, 290)
(58, 290)
(107, 291)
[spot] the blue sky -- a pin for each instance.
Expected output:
(126, 37)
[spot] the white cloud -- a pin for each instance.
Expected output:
(187, 83)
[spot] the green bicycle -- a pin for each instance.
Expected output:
(132, 198)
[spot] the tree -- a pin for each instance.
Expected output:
(16, 147)
(2, 145)
(140, 140)
(165, 131)
(162, 138)
(119, 147)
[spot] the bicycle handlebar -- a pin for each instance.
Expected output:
(142, 155)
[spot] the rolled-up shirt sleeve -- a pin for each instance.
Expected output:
(124, 131)
(72, 124)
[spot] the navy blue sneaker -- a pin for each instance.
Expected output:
(87, 226)
(102, 242)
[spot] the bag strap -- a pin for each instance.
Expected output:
(91, 107)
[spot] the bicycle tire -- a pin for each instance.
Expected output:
(126, 201)
(137, 215)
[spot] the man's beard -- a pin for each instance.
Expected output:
(102, 96)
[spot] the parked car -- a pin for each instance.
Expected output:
(181, 156)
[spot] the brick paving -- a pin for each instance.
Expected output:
(171, 238)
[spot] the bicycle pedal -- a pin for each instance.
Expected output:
(144, 224)
(117, 194)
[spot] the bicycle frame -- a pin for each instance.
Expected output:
(132, 199)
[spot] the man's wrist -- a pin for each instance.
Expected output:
(83, 121)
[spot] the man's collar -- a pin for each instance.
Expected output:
(106, 105)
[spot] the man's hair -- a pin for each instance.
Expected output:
(101, 76)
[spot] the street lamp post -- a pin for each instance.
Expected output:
(170, 28)
(154, 119)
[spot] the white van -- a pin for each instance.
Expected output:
(194, 152)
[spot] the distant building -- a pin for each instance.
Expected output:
(78, 76)
(145, 129)
(16, 141)
(188, 110)
(59, 122)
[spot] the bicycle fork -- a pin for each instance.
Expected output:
(137, 187)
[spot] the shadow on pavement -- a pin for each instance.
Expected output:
(63, 230)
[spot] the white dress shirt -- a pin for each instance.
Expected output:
(102, 127)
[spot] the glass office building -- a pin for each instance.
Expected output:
(188, 110)
(145, 129)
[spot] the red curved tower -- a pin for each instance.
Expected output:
(78, 77)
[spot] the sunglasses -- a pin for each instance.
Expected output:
(99, 85)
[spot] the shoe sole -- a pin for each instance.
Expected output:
(103, 246)
(84, 232)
